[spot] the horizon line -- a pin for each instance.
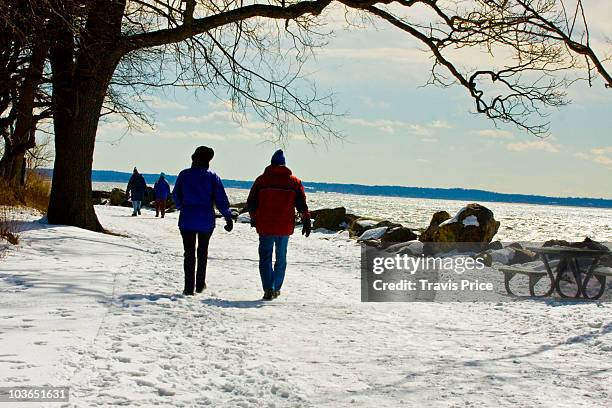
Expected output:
(396, 186)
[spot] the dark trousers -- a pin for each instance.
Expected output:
(189, 244)
(160, 206)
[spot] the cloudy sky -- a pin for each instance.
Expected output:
(395, 130)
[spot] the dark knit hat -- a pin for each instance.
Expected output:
(202, 155)
(278, 158)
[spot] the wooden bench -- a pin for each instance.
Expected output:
(534, 278)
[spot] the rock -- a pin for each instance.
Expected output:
(100, 195)
(240, 206)
(515, 245)
(361, 225)
(170, 206)
(388, 224)
(149, 197)
(117, 197)
(522, 256)
(371, 242)
(412, 248)
(398, 234)
(439, 217)
(371, 234)
(471, 229)
(495, 245)
(555, 242)
(502, 256)
(485, 257)
(329, 218)
(588, 243)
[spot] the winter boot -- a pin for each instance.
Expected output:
(276, 294)
(200, 290)
(268, 294)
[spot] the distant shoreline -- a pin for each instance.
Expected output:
(459, 194)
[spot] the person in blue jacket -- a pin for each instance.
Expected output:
(136, 189)
(161, 190)
(196, 192)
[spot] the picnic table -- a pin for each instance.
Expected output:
(569, 258)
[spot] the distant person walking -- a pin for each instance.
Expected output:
(272, 202)
(196, 191)
(161, 190)
(136, 189)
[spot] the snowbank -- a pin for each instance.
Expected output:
(102, 314)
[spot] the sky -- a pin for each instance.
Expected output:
(395, 130)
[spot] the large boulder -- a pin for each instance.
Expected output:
(398, 234)
(471, 229)
(437, 219)
(117, 197)
(329, 218)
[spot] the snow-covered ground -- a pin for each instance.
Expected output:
(103, 315)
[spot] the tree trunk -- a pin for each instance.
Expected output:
(75, 133)
(80, 83)
(22, 137)
(11, 168)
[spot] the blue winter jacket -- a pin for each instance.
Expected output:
(196, 191)
(161, 189)
(136, 187)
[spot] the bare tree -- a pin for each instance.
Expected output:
(242, 47)
(23, 100)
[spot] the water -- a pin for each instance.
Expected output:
(519, 222)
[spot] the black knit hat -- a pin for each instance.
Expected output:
(202, 155)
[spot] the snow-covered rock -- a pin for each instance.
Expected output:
(374, 233)
(244, 218)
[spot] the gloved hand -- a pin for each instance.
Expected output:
(307, 227)
(252, 221)
(229, 225)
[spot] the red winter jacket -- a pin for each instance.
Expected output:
(273, 199)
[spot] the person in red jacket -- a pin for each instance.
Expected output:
(272, 202)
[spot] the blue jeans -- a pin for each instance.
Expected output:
(136, 205)
(272, 278)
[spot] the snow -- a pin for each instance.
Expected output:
(103, 314)
(455, 218)
(366, 223)
(244, 218)
(374, 233)
(471, 221)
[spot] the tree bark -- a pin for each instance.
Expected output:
(22, 138)
(80, 84)
(75, 133)
(11, 168)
